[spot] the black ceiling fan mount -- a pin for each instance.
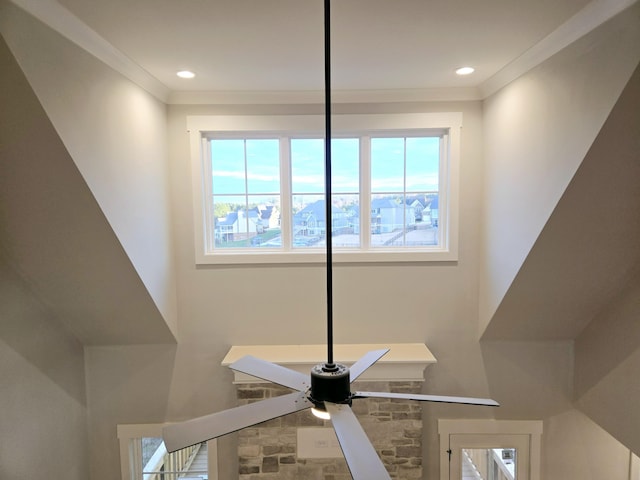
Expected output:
(328, 387)
(331, 384)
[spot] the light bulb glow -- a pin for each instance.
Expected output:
(323, 414)
(465, 70)
(185, 74)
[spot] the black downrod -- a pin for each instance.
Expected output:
(327, 181)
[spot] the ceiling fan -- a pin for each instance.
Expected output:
(327, 390)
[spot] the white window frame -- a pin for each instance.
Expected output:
(131, 455)
(201, 126)
(532, 429)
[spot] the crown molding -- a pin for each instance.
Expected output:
(594, 14)
(57, 17)
(317, 97)
(71, 27)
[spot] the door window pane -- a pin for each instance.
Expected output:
(488, 464)
(190, 462)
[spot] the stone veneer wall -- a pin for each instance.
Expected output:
(268, 450)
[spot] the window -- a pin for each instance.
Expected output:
(259, 188)
(404, 190)
(143, 456)
(491, 449)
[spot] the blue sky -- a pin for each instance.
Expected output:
(307, 165)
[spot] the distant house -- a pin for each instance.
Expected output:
(433, 211)
(387, 215)
(271, 216)
(417, 204)
(353, 217)
(238, 225)
(311, 220)
(264, 217)
(225, 227)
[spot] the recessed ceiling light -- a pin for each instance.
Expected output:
(185, 74)
(465, 70)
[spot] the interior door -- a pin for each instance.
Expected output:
(488, 457)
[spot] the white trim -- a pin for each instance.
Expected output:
(634, 466)
(594, 14)
(447, 250)
(533, 428)
(450, 94)
(403, 362)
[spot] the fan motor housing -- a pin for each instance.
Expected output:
(330, 383)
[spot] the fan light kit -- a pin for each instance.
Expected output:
(327, 390)
(322, 414)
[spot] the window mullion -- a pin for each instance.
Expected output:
(207, 186)
(443, 189)
(286, 215)
(365, 192)
(246, 191)
(404, 193)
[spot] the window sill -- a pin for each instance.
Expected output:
(377, 256)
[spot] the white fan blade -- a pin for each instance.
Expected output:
(429, 398)
(365, 362)
(362, 459)
(201, 429)
(274, 373)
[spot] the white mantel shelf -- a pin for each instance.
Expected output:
(403, 362)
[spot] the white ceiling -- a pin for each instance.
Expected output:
(277, 45)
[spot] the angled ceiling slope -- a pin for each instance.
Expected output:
(55, 234)
(588, 249)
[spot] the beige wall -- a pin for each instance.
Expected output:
(56, 236)
(576, 448)
(43, 407)
(611, 338)
(607, 362)
(538, 130)
(116, 134)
